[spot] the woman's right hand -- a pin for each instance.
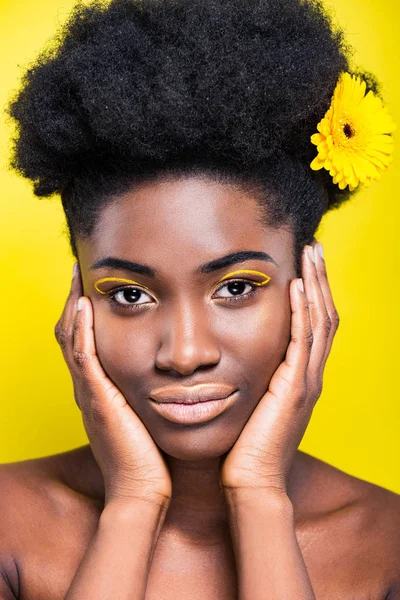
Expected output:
(131, 463)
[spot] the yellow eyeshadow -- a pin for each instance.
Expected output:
(116, 279)
(119, 279)
(248, 271)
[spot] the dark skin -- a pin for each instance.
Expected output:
(346, 528)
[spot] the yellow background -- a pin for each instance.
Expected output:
(355, 425)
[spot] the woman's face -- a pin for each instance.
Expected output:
(188, 327)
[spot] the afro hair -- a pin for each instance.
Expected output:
(135, 89)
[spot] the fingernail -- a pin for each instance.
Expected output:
(300, 284)
(311, 253)
(80, 303)
(320, 249)
(75, 270)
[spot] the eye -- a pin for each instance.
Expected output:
(134, 297)
(237, 287)
(128, 296)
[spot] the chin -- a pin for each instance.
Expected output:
(196, 442)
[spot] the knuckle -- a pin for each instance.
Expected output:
(76, 325)
(335, 319)
(57, 328)
(81, 359)
(326, 326)
(62, 338)
(309, 337)
(311, 305)
(318, 390)
(317, 387)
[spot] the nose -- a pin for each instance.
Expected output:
(187, 342)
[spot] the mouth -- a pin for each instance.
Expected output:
(194, 412)
(179, 394)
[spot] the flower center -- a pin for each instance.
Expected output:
(348, 131)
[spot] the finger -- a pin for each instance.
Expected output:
(97, 392)
(320, 320)
(64, 326)
(328, 299)
(59, 324)
(299, 348)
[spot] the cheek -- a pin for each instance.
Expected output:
(271, 334)
(258, 343)
(124, 351)
(254, 342)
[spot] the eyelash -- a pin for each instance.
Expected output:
(240, 298)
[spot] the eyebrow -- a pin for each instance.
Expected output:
(209, 267)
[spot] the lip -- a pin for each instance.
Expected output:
(192, 394)
(194, 412)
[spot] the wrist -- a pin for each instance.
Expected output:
(130, 510)
(129, 498)
(273, 498)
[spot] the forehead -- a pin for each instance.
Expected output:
(181, 221)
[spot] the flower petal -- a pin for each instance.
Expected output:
(317, 138)
(354, 142)
(317, 164)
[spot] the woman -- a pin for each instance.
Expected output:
(178, 135)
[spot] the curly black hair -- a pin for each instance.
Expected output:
(131, 90)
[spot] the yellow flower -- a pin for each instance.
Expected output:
(352, 142)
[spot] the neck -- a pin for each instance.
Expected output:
(198, 504)
(197, 507)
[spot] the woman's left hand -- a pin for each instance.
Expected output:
(263, 455)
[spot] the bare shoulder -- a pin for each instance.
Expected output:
(32, 490)
(9, 575)
(23, 498)
(359, 522)
(44, 525)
